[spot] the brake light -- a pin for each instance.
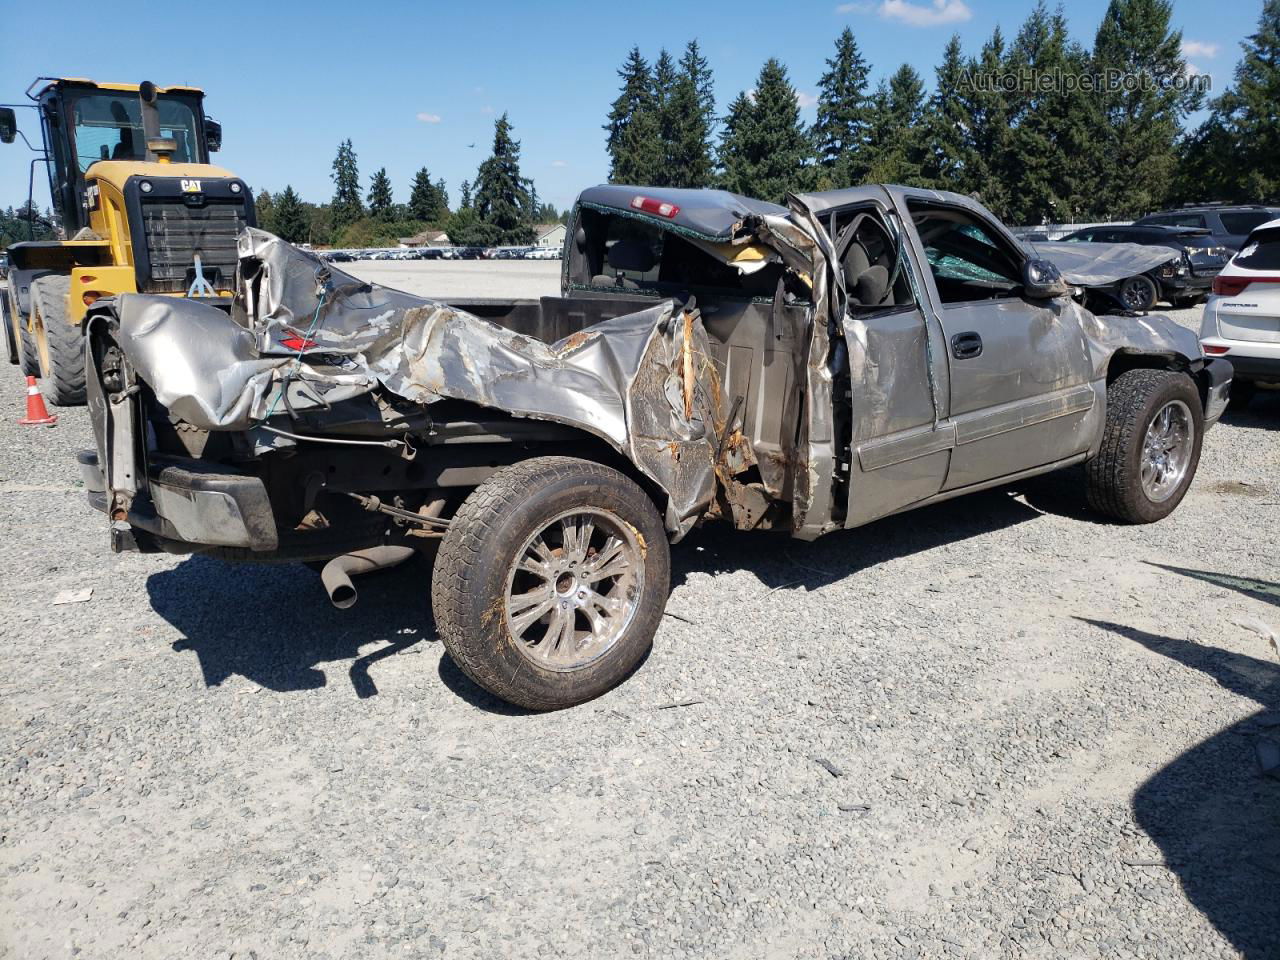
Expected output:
(657, 207)
(1234, 286)
(1214, 351)
(91, 298)
(296, 342)
(86, 278)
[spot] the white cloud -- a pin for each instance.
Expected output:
(429, 117)
(805, 99)
(919, 15)
(1192, 70)
(1197, 48)
(486, 109)
(855, 8)
(558, 163)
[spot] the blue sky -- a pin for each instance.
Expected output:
(418, 83)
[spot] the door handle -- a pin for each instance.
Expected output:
(967, 345)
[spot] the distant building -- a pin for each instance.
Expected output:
(427, 238)
(549, 234)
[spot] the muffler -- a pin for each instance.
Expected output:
(337, 573)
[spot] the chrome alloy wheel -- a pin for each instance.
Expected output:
(574, 588)
(1166, 450)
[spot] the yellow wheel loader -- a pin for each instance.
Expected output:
(140, 206)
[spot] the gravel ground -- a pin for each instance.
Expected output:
(991, 728)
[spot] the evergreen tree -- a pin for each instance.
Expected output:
(948, 127)
(731, 154)
(634, 155)
(895, 152)
(264, 210)
(664, 78)
(1053, 147)
(641, 151)
(465, 201)
(1235, 153)
(381, 205)
(291, 220)
(1140, 122)
(688, 112)
(346, 206)
(766, 152)
(427, 201)
(465, 229)
(501, 199)
(840, 130)
(989, 172)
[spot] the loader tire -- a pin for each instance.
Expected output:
(24, 346)
(10, 328)
(1150, 446)
(551, 581)
(59, 344)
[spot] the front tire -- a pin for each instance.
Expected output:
(551, 581)
(59, 344)
(1139, 293)
(1150, 446)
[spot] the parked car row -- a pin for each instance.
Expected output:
(1182, 281)
(1204, 238)
(444, 253)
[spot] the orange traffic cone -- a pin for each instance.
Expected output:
(37, 415)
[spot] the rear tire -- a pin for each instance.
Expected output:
(1143, 471)
(517, 590)
(59, 345)
(24, 345)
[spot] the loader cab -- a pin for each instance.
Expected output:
(83, 122)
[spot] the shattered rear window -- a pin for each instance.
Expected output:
(628, 253)
(1262, 252)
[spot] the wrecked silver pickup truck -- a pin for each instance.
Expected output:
(802, 369)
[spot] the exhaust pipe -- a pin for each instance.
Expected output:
(337, 573)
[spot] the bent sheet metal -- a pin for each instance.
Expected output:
(307, 335)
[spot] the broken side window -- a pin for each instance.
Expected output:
(968, 260)
(872, 260)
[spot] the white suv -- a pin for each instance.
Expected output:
(1242, 316)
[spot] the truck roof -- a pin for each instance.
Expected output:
(711, 213)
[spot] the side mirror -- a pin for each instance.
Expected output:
(8, 125)
(1042, 280)
(212, 135)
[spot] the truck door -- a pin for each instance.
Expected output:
(1020, 394)
(883, 393)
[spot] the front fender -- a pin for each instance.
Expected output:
(1153, 335)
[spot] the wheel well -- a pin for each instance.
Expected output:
(587, 446)
(1122, 362)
